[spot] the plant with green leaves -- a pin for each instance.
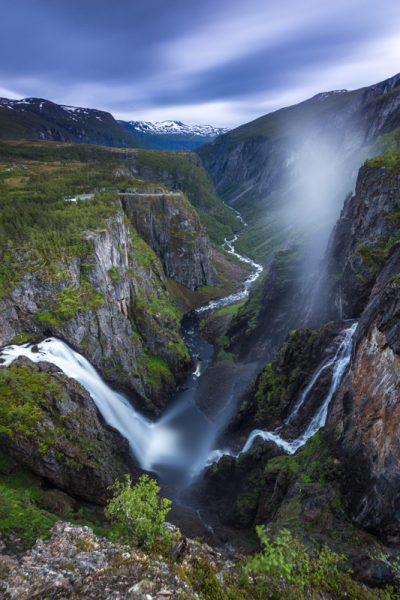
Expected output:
(282, 557)
(138, 513)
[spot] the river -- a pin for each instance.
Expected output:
(178, 445)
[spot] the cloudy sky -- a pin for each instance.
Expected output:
(223, 62)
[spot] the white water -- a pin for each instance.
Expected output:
(182, 438)
(180, 441)
(256, 270)
(340, 363)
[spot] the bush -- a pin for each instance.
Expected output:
(138, 513)
(287, 570)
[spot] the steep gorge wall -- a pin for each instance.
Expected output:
(112, 302)
(171, 227)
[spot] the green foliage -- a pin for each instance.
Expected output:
(288, 570)
(390, 161)
(283, 379)
(157, 371)
(24, 508)
(282, 557)
(138, 513)
(23, 397)
(20, 513)
(73, 299)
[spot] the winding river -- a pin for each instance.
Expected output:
(178, 445)
(182, 442)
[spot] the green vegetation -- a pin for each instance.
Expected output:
(183, 170)
(288, 570)
(282, 380)
(138, 513)
(23, 399)
(374, 256)
(25, 510)
(390, 160)
(70, 301)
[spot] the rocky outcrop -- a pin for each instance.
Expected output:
(52, 427)
(367, 411)
(75, 563)
(112, 304)
(171, 227)
(259, 165)
(270, 400)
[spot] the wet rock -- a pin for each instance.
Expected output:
(367, 411)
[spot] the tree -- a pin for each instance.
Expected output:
(138, 513)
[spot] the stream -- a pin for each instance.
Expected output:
(182, 442)
(178, 445)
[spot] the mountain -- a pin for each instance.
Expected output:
(275, 168)
(171, 135)
(35, 118)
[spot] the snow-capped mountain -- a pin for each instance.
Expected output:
(37, 118)
(171, 135)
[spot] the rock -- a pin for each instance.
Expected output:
(129, 320)
(171, 227)
(74, 563)
(70, 446)
(367, 411)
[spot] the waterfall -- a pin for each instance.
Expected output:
(145, 440)
(340, 363)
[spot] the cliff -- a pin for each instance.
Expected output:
(110, 301)
(367, 411)
(171, 227)
(50, 425)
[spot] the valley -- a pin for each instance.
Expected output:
(226, 321)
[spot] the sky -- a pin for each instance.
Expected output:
(223, 62)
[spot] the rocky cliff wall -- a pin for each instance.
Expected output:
(112, 304)
(171, 227)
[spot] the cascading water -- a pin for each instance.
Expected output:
(339, 363)
(178, 444)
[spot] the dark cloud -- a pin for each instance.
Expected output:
(148, 57)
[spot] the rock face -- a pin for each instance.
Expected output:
(63, 438)
(264, 321)
(358, 246)
(260, 164)
(112, 304)
(361, 279)
(269, 402)
(367, 410)
(171, 227)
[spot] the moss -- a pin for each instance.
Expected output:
(281, 380)
(21, 338)
(23, 399)
(156, 369)
(390, 160)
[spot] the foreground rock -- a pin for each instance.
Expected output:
(75, 563)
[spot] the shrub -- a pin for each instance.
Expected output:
(287, 570)
(138, 513)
